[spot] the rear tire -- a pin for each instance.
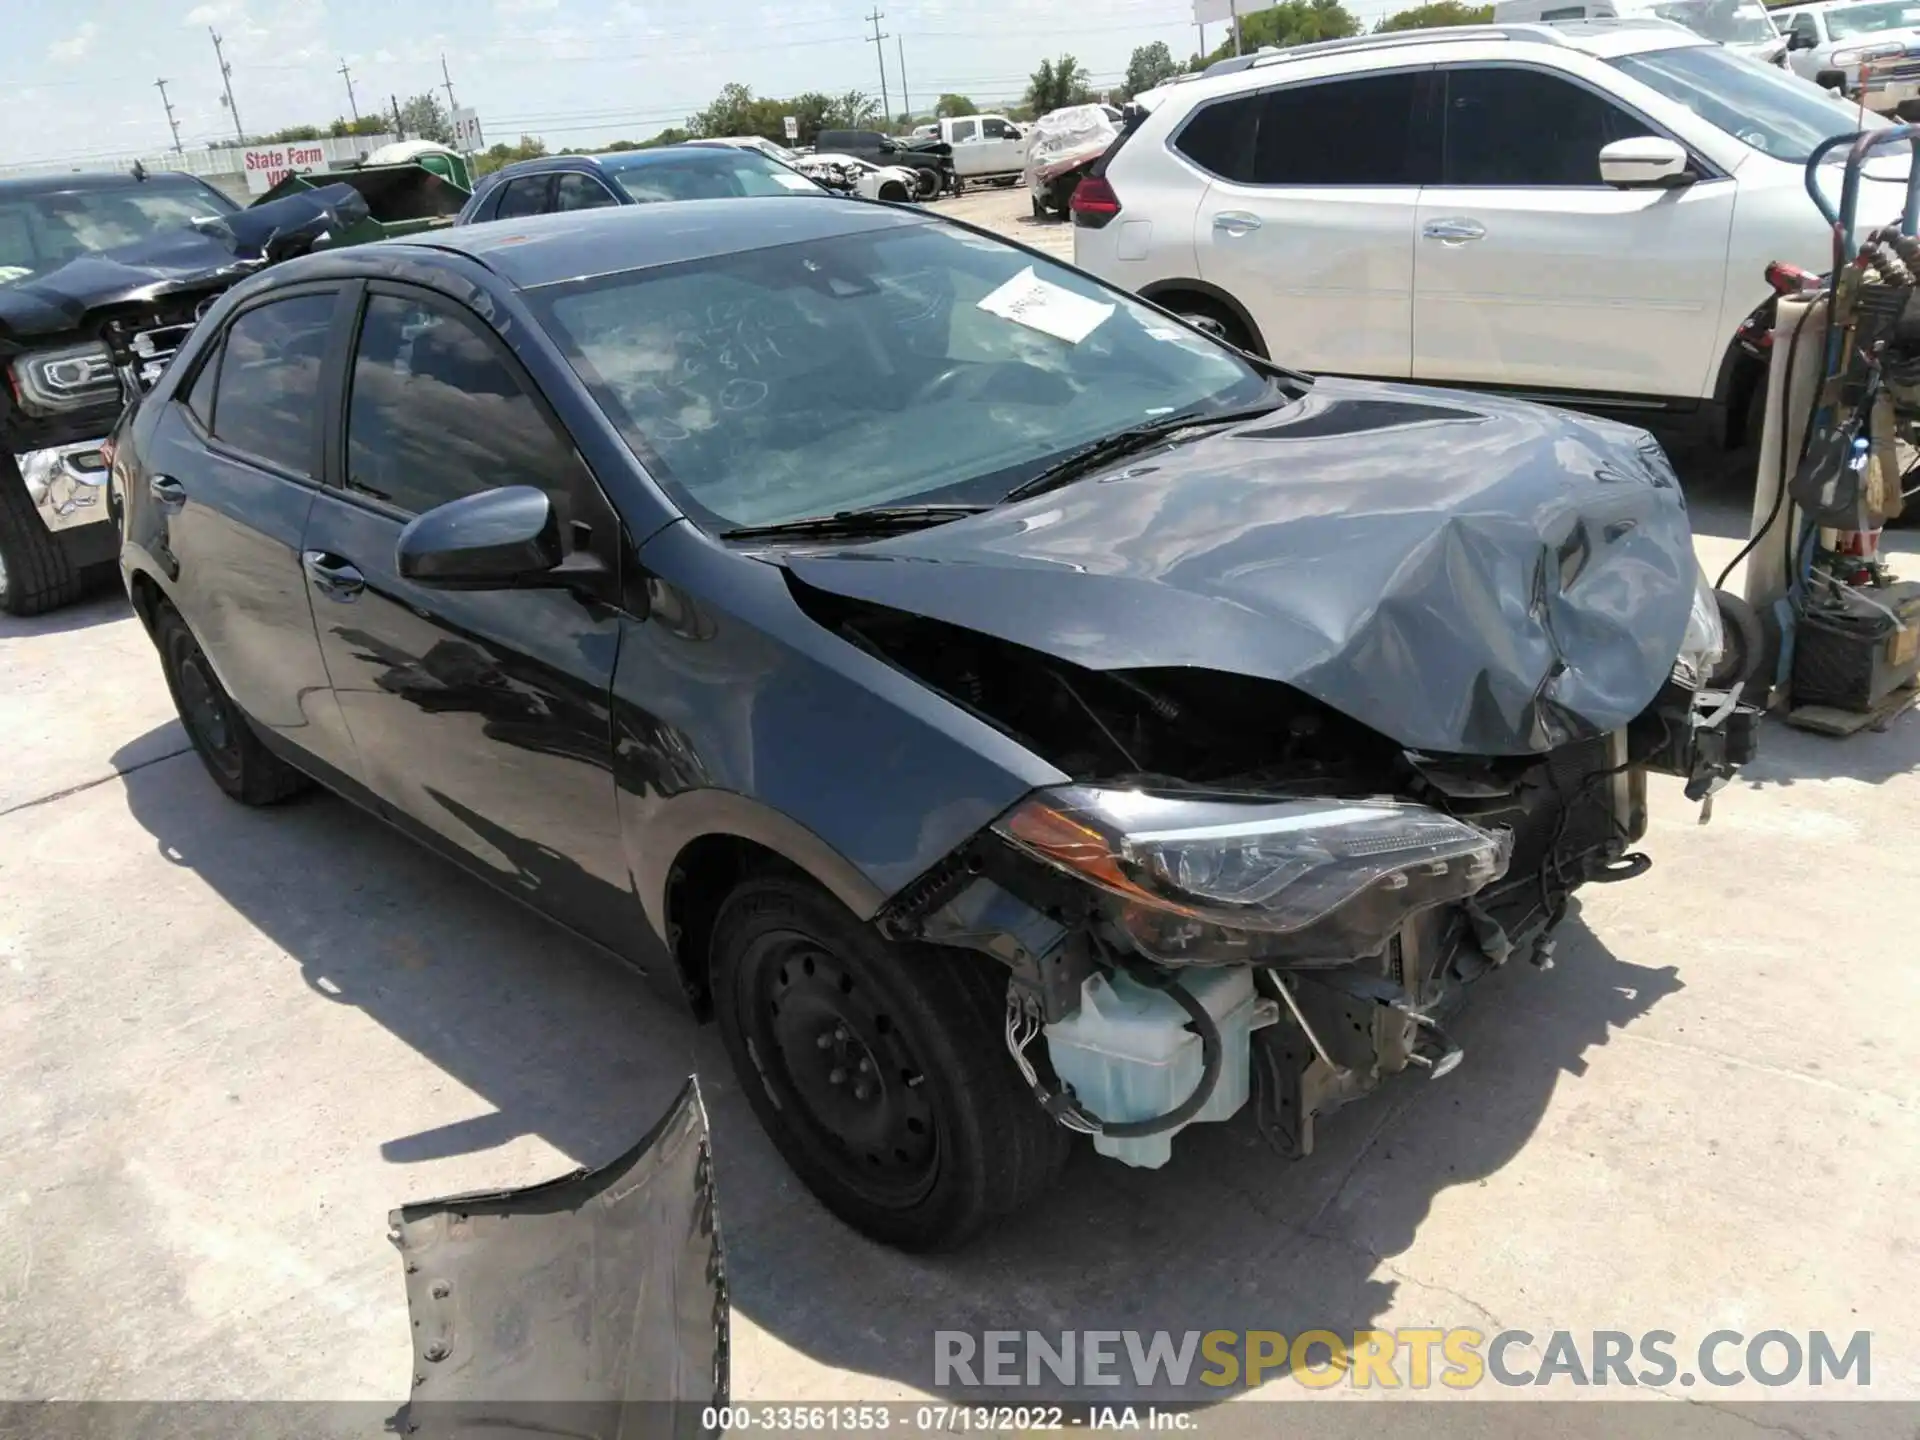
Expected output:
(879, 1070)
(35, 573)
(926, 183)
(225, 742)
(1214, 318)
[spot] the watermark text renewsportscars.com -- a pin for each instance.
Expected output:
(1410, 1359)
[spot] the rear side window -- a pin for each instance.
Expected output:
(575, 191)
(965, 130)
(1509, 128)
(525, 196)
(1219, 137)
(435, 414)
(265, 401)
(1348, 132)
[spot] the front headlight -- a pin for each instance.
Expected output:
(1704, 642)
(1864, 53)
(51, 381)
(1219, 879)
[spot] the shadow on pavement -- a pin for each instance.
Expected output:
(102, 604)
(567, 1045)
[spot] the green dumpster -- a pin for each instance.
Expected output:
(401, 199)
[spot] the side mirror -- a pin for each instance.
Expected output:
(1800, 40)
(1647, 162)
(503, 539)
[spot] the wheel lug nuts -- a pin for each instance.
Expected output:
(866, 1065)
(860, 1091)
(825, 1042)
(840, 1033)
(837, 1076)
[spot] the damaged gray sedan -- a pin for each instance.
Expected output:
(1010, 713)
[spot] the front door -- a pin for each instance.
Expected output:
(1309, 219)
(1532, 273)
(234, 465)
(481, 717)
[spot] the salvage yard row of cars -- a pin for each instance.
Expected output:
(1012, 708)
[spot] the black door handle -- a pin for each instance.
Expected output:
(333, 577)
(167, 492)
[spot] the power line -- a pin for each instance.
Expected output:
(172, 124)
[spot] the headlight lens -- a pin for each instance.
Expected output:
(1866, 52)
(1199, 878)
(1704, 642)
(69, 379)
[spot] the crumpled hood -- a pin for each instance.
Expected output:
(211, 255)
(1459, 573)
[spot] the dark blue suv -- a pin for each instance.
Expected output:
(630, 177)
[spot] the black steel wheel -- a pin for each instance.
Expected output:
(221, 736)
(927, 183)
(878, 1069)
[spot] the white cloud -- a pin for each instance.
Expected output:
(210, 14)
(508, 9)
(76, 45)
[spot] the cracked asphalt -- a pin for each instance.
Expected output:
(232, 1040)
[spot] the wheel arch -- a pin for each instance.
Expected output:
(1740, 377)
(702, 843)
(1167, 293)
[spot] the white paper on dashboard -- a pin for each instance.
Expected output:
(1040, 305)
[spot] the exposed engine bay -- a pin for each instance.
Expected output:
(1146, 994)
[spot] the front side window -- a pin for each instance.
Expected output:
(526, 195)
(996, 129)
(266, 397)
(435, 414)
(1802, 28)
(1761, 106)
(873, 368)
(40, 233)
(575, 191)
(1347, 132)
(1522, 128)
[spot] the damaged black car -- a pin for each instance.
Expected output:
(1008, 712)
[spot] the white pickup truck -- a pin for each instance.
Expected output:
(985, 147)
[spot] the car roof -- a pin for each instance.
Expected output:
(71, 181)
(547, 249)
(1601, 38)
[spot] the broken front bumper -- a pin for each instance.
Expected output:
(67, 484)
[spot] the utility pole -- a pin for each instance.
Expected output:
(1233, 9)
(348, 76)
(875, 18)
(172, 123)
(900, 49)
(399, 130)
(226, 79)
(452, 104)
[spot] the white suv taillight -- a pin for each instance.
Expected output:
(1094, 202)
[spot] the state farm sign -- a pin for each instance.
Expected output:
(268, 165)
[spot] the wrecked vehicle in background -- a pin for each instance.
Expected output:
(930, 158)
(1009, 712)
(101, 278)
(1061, 148)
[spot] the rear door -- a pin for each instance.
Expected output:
(480, 717)
(1532, 273)
(234, 467)
(1308, 218)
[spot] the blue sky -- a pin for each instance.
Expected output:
(76, 78)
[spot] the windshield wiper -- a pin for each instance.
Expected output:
(1109, 448)
(875, 520)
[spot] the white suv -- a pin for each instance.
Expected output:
(1582, 213)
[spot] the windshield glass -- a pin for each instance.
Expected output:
(706, 173)
(1767, 109)
(1847, 20)
(1744, 23)
(872, 369)
(40, 233)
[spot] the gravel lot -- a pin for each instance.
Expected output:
(231, 1040)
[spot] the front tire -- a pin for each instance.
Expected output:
(221, 736)
(879, 1070)
(35, 573)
